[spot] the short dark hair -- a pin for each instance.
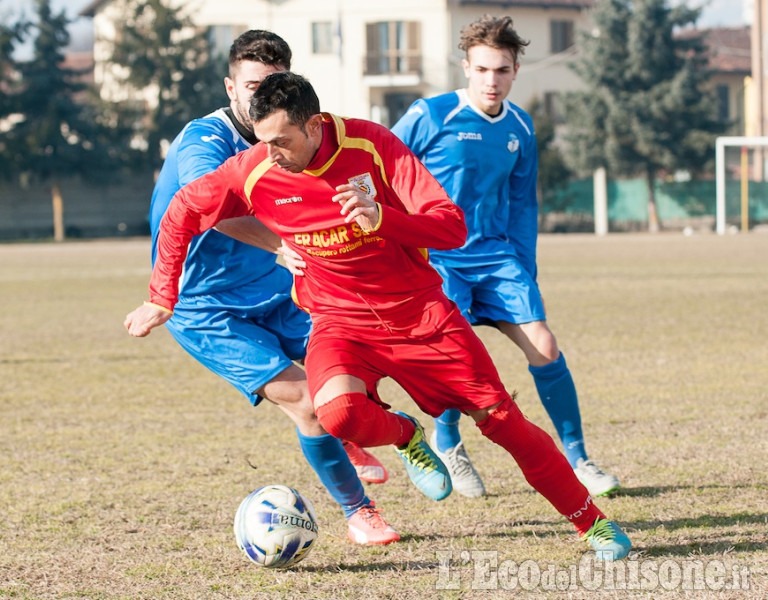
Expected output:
(261, 46)
(496, 32)
(285, 91)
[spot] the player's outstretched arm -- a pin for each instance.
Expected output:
(430, 219)
(195, 208)
(250, 231)
(145, 318)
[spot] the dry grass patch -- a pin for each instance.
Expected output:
(124, 460)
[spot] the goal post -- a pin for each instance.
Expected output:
(721, 143)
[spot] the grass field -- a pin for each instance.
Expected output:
(123, 460)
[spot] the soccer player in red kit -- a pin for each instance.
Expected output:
(359, 207)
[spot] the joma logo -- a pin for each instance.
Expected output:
(469, 135)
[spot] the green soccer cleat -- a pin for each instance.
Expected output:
(426, 470)
(608, 540)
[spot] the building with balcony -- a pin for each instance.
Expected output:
(730, 66)
(372, 59)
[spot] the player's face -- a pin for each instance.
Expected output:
(490, 73)
(246, 79)
(287, 144)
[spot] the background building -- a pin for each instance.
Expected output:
(730, 63)
(372, 59)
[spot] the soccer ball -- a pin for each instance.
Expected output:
(275, 526)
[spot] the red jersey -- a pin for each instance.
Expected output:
(350, 272)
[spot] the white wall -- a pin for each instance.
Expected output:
(338, 78)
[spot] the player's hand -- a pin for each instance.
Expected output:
(292, 259)
(357, 206)
(144, 319)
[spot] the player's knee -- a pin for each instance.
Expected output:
(304, 408)
(344, 417)
(293, 396)
(546, 344)
(505, 411)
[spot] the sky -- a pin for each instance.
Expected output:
(717, 13)
(725, 13)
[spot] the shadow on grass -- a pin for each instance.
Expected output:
(393, 565)
(510, 530)
(718, 542)
(653, 491)
(721, 534)
(720, 548)
(645, 492)
(708, 521)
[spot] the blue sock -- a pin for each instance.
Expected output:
(447, 428)
(558, 395)
(327, 457)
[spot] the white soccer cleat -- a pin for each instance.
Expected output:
(597, 481)
(464, 477)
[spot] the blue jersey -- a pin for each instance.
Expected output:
(215, 262)
(488, 165)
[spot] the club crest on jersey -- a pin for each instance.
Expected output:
(513, 144)
(365, 183)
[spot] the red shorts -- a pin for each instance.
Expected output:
(435, 357)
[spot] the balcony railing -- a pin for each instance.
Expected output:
(401, 63)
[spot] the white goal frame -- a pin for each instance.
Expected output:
(720, 144)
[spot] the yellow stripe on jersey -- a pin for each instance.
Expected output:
(295, 298)
(378, 223)
(367, 146)
(354, 143)
(254, 176)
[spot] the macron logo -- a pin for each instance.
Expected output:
(469, 135)
(291, 200)
(210, 138)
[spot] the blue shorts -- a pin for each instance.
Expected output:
(247, 335)
(489, 293)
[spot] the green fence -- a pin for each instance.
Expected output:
(678, 203)
(121, 209)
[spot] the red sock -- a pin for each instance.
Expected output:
(543, 465)
(362, 421)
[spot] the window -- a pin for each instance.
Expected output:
(322, 37)
(393, 47)
(560, 36)
(553, 107)
(722, 92)
(222, 36)
(397, 104)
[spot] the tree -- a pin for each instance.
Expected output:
(554, 174)
(647, 108)
(11, 34)
(165, 58)
(55, 133)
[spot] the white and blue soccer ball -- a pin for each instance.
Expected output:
(275, 526)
